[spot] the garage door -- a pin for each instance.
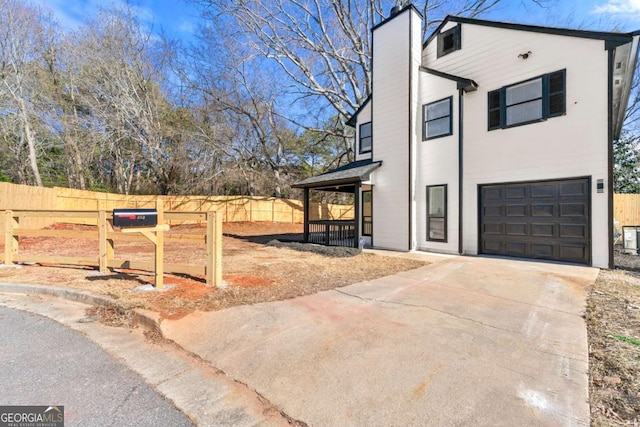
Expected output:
(543, 220)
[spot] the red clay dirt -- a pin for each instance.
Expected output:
(253, 271)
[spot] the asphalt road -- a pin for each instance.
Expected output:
(44, 363)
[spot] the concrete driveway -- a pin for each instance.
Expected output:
(463, 341)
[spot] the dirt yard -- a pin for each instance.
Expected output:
(613, 325)
(253, 267)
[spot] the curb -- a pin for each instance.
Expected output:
(147, 319)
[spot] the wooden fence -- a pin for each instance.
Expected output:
(106, 261)
(626, 209)
(232, 208)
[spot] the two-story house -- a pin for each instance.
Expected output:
(488, 138)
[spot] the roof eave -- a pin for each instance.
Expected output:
(623, 101)
(611, 38)
(353, 120)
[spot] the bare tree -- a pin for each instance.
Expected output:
(323, 46)
(118, 84)
(23, 34)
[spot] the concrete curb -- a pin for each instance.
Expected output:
(147, 319)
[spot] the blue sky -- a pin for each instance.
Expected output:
(179, 19)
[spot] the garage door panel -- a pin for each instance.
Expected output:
(492, 246)
(493, 193)
(542, 251)
(493, 211)
(575, 231)
(516, 192)
(542, 220)
(573, 253)
(543, 190)
(518, 249)
(543, 230)
(546, 209)
(515, 229)
(573, 209)
(573, 189)
(516, 210)
(493, 228)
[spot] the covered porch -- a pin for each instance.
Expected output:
(354, 179)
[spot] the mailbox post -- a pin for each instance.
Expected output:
(149, 223)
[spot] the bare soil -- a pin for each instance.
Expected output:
(261, 262)
(613, 325)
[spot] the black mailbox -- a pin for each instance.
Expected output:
(135, 217)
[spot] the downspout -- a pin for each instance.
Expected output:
(610, 57)
(460, 167)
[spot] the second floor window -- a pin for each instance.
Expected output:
(364, 135)
(528, 102)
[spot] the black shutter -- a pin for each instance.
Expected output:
(557, 93)
(495, 109)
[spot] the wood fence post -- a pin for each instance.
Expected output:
(10, 241)
(159, 247)
(102, 236)
(214, 249)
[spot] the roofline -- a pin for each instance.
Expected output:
(614, 39)
(354, 117)
(398, 13)
(339, 181)
(465, 84)
(332, 183)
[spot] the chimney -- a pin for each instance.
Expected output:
(400, 4)
(395, 118)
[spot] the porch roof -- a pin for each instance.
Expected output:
(348, 174)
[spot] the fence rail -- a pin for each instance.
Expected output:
(333, 233)
(107, 235)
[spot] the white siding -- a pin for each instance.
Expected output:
(364, 116)
(416, 120)
(437, 161)
(573, 145)
(391, 115)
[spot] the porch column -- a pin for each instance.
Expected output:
(305, 207)
(357, 216)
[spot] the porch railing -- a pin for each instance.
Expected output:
(333, 233)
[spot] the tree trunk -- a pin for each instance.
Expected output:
(31, 144)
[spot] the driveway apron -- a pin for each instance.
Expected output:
(462, 341)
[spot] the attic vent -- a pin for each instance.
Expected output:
(449, 41)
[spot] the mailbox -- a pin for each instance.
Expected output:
(135, 217)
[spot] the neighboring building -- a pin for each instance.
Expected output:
(489, 138)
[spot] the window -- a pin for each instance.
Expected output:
(367, 213)
(449, 41)
(528, 102)
(437, 213)
(437, 119)
(365, 137)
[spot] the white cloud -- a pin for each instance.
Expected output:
(620, 7)
(188, 27)
(71, 13)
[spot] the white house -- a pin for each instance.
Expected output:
(489, 138)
